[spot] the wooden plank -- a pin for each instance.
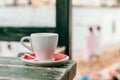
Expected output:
(63, 24)
(15, 69)
(15, 33)
(31, 73)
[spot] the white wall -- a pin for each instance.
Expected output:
(85, 17)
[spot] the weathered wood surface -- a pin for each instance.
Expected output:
(15, 69)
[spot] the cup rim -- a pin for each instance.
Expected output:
(44, 34)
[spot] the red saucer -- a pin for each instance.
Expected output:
(57, 56)
(58, 60)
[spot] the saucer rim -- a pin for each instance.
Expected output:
(44, 62)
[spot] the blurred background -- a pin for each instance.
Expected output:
(85, 13)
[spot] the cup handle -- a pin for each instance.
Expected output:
(22, 42)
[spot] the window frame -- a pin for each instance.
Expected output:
(63, 27)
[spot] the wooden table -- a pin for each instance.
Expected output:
(15, 69)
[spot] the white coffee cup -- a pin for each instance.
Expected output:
(42, 44)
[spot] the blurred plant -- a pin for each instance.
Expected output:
(118, 2)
